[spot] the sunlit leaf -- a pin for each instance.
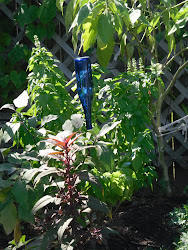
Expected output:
(89, 34)
(47, 119)
(64, 224)
(9, 131)
(68, 126)
(22, 100)
(134, 16)
(8, 106)
(28, 174)
(77, 120)
(45, 173)
(43, 202)
(107, 127)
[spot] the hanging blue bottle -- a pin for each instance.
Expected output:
(85, 86)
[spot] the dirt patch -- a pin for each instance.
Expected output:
(145, 224)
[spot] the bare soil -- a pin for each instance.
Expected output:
(145, 224)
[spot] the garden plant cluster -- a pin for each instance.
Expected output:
(66, 178)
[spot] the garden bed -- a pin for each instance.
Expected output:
(143, 223)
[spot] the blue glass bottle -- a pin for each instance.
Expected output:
(85, 86)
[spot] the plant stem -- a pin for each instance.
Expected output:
(174, 79)
(171, 59)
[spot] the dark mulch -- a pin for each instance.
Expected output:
(143, 223)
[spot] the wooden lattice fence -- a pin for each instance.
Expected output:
(61, 47)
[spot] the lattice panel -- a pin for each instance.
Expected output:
(61, 47)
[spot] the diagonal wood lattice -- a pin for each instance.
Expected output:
(175, 104)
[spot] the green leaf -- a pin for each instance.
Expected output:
(97, 205)
(39, 30)
(47, 11)
(83, 13)
(33, 13)
(18, 78)
(24, 202)
(10, 130)
(26, 15)
(8, 217)
(106, 155)
(68, 14)
(5, 40)
(48, 237)
(107, 127)
(86, 176)
(154, 22)
(129, 50)
(180, 24)
(20, 192)
(137, 162)
(171, 43)
(104, 54)
(89, 34)
(17, 53)
(182, 12)
(143, 3)
(105, 29)
(63, 226)
(4, 80)
(43, 202)
(123, 44)
(118, 24)
(7, 167)
(5, 183)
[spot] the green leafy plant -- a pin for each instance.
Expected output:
(46, 88)
(16, 200)
(126, 98)
(22, 243)
(99, 21)
(179, 216)
(26, 128)
(106, 23)
(68, 210)
(47, 103)
(33, 19)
